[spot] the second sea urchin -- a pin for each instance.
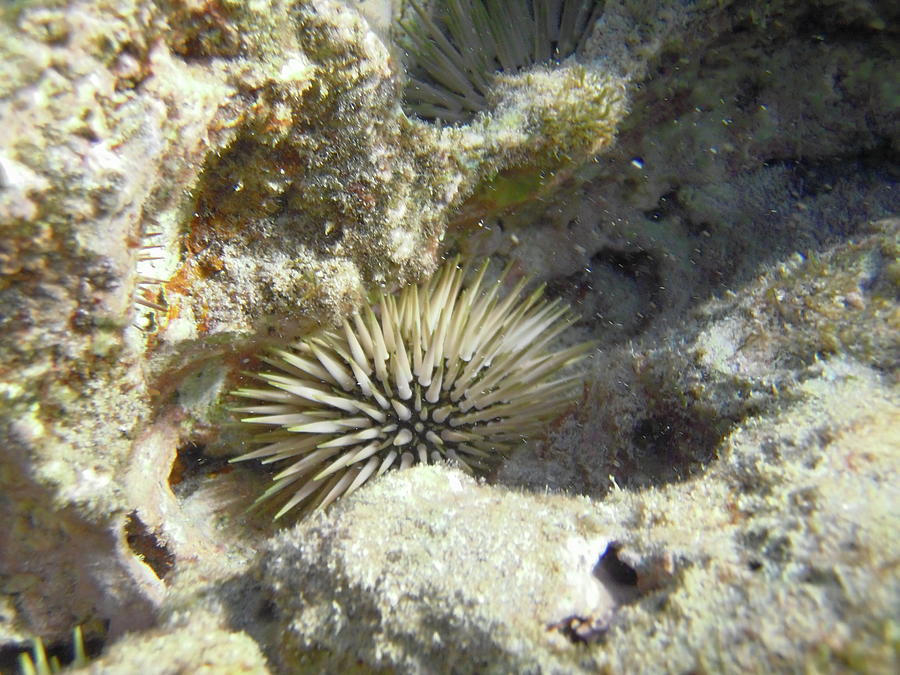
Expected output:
(445, 371)
(455, 51)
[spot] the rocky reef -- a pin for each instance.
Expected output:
(712, 185)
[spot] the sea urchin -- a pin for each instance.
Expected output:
(455, 51)
(444, 372)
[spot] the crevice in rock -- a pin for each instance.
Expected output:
(621, 582)
(147, 547)
(191, 466)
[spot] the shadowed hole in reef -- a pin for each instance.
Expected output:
(610, 567)
(617, 294)
(621, 582)
(218, 488)
(250, 607)
(671, 446)
(191, 467)
(145, 545)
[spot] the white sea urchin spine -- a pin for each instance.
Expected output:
(445, 371)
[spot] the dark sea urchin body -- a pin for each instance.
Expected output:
(446, 372)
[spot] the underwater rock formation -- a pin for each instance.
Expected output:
(711, 184)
